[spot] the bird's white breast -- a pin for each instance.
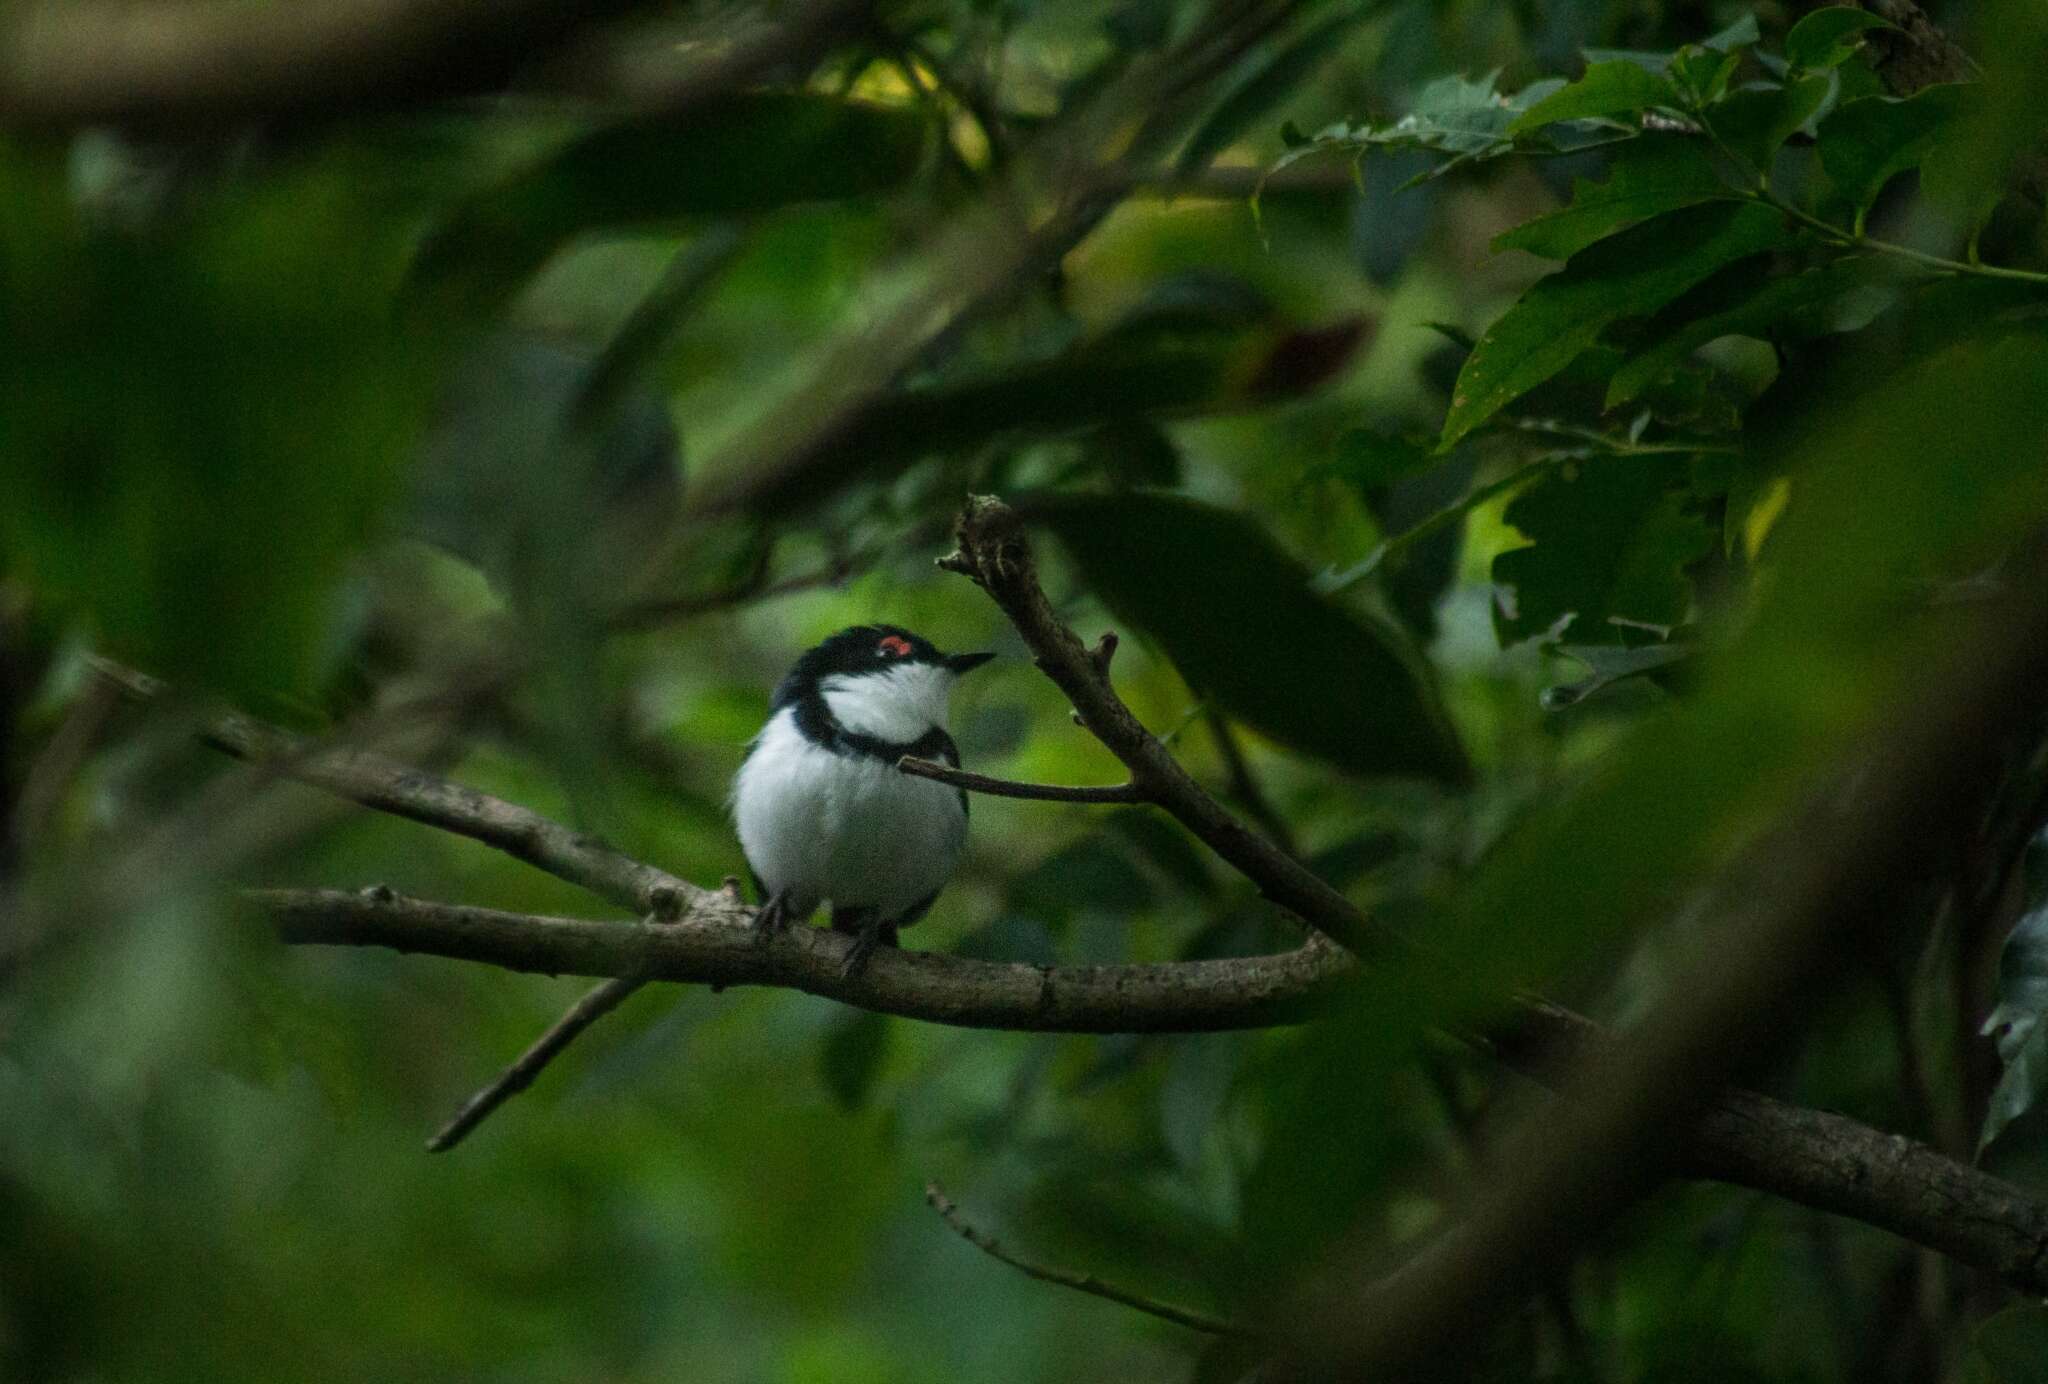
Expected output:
(898, 704)
(844, 828)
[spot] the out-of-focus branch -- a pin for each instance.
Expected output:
(1715, 1133)
(91, 62)
(1838, 870)
(1088, 1283)
(389, 786)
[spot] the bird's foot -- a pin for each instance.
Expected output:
(867, 935)
(857, 957)
(773, 917)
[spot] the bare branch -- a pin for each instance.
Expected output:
(1067, 1278)
(717, 945)
(1010, 788)
(993, 552)
(389, 786)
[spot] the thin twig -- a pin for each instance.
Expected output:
(1010, 788)
(516, 1078)
(1066, 1278)
(594, 1005)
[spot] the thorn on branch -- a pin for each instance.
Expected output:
(1103, 652)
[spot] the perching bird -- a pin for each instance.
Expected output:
(823, 812)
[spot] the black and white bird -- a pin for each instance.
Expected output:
(823, 813)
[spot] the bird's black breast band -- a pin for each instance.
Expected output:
(819, 726)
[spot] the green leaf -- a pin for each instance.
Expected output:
(741, 153)
(1755, 121)
(1655, 174)
(1630, 274)
(1096, 383)
(1866, 143)
(1608, 89)
(1235, 613)
(1825, 38)
(1611, 664)
(1751, 305)
(1703, 74)
(851, 1058)
(1372, 460)
(1739, 35)
(1609, 540)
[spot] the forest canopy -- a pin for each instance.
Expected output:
(1509, 817)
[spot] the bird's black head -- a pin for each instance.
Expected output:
(868, 649)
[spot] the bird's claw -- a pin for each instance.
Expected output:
(773, 918)
(864, 943)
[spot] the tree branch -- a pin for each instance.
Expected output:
(594, 1005)
(1725, 1140)
(993, 552)
(719, 946)
(1010, 788)
(389, 786)
(1067, 1278)
(1825, 1161)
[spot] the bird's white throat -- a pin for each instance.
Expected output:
(895, 704)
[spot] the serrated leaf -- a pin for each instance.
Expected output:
(1630, 274)
(1649, 176)
(740, 153)
(852, 1055)
(1750, 305)
(1609, 540)
(1608, 89)
(1235, 613)
(1827, 37)
(1865, 144)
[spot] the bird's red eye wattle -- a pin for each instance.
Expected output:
(893, 646)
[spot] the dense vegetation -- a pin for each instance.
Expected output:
(1569, 479)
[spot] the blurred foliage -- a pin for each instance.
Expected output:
(1528, 486)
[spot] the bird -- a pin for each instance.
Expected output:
(822, 812)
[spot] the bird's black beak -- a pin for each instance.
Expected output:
(966, 663)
